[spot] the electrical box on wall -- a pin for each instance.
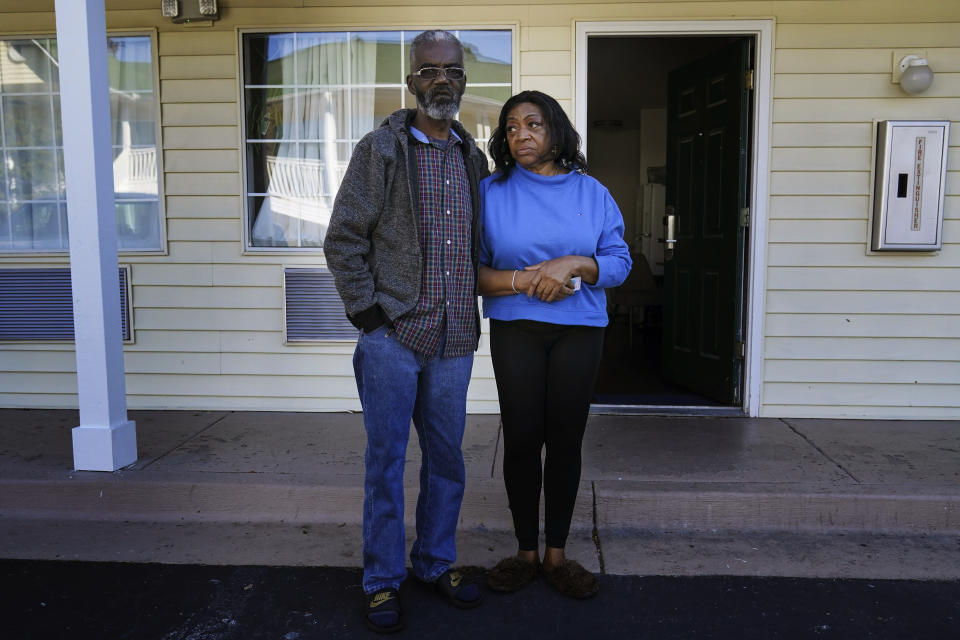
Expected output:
(909, 183)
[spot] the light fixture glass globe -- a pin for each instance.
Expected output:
(917, 77)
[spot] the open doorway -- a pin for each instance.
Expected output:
(668, 125)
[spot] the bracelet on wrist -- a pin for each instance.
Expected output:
(513, 281)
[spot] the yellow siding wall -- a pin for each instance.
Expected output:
(846, 334)
(849, 333)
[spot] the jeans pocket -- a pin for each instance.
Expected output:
(377, 330)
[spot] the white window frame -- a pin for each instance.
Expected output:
(162, 250)
(247, 248)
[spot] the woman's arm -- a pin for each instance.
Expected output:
(613, 254)
(494, 282)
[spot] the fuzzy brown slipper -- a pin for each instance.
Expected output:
(572, 580)
(510, 574)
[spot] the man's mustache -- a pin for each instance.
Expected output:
(440, 92)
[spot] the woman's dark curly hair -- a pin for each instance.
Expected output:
(561, 131)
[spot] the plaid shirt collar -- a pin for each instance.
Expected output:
(422, 137)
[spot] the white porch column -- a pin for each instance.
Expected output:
(105, 440)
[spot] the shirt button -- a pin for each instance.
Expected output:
(448, 242)
(448, 211)
(447, 181)
(448, 303)
(448, 273)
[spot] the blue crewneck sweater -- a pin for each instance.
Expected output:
(528, 218)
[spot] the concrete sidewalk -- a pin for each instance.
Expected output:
(667, 495)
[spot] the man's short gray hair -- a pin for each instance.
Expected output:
(429, 37)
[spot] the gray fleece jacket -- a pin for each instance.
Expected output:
(372, 245)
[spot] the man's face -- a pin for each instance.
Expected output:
(438, 98)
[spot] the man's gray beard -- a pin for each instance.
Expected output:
(441, 110)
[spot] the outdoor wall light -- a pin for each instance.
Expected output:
(916, 74)
(189, 10)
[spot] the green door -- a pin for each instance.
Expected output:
(708, 116)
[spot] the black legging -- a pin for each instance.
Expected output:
(545, 375)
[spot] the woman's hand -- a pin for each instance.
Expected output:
(552, 278)
(526, 281)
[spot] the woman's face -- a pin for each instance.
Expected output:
(529, 139)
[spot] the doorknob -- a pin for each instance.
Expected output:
(670, 220)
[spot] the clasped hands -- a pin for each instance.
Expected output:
(549, 280)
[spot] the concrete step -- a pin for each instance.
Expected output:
(236, 498)
(612, 551)
(717, 506)
(667, 506)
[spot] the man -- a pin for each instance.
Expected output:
(403, 247)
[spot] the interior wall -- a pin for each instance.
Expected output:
(653, 141)
(617, 166)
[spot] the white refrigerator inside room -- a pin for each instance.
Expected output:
(648, 237)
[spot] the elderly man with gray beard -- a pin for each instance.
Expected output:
(403, 248)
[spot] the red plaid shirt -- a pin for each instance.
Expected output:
(447, 304)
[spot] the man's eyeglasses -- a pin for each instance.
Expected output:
(451, 73)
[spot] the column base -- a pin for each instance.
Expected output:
(104, 448)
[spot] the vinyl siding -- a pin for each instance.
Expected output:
(846, 333)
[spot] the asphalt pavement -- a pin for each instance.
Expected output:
(44, 600)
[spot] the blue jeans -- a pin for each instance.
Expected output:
(397, 384)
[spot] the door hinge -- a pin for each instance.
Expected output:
(741, 349)
(748, 80)
(745, 217)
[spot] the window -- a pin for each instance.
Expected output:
(33, 207)
(308, 99)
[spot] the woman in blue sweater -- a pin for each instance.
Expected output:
(552, 241)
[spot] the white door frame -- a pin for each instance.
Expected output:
(762, 31)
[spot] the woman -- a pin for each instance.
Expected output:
(552, 240)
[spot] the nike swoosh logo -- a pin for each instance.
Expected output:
(455, 579)
(380, 600)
